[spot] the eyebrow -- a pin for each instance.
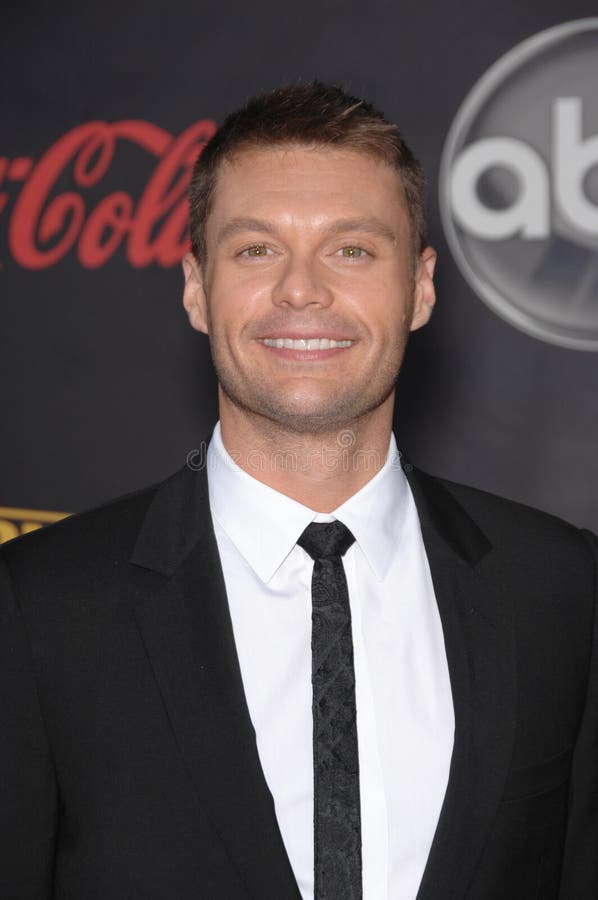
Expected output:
(369, 225)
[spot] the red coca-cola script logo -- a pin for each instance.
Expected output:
(44, 223)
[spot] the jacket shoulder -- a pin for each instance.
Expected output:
(508, 526)
(487, 504)
(105, 532)
(511, 525)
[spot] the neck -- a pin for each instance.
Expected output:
(320, 471)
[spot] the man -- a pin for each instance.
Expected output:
(303, 670)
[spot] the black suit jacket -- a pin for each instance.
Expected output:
(127, 757)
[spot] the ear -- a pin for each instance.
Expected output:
(194, 295)
(424, 296)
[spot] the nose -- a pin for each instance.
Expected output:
(301, 284)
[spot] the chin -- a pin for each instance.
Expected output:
(308, 424)
(323, 420)
(302, 413)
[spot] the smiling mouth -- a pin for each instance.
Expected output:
(305, 343)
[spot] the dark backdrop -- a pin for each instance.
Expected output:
(104, 385)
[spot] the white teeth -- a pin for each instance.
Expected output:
(305, 344)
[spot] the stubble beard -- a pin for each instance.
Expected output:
(275, 414)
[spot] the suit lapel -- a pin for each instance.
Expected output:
(477, 621)
(188, 636)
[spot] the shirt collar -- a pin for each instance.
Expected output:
(264, 524)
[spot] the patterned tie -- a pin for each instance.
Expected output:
(337, 819)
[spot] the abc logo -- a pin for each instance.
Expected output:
(519, 186)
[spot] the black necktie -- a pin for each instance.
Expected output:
(337, 819)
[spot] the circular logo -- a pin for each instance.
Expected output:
(519, 186)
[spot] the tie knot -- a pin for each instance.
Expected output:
(323, 540)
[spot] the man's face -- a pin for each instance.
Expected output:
(308, 294)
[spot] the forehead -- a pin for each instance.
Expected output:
(301, 181)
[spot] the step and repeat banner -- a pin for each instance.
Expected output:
(105, 387)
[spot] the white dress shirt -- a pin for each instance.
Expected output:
(405, 718)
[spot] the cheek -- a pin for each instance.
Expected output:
(226, 310)
(236, 301)
(388, 315)
(230, 325)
